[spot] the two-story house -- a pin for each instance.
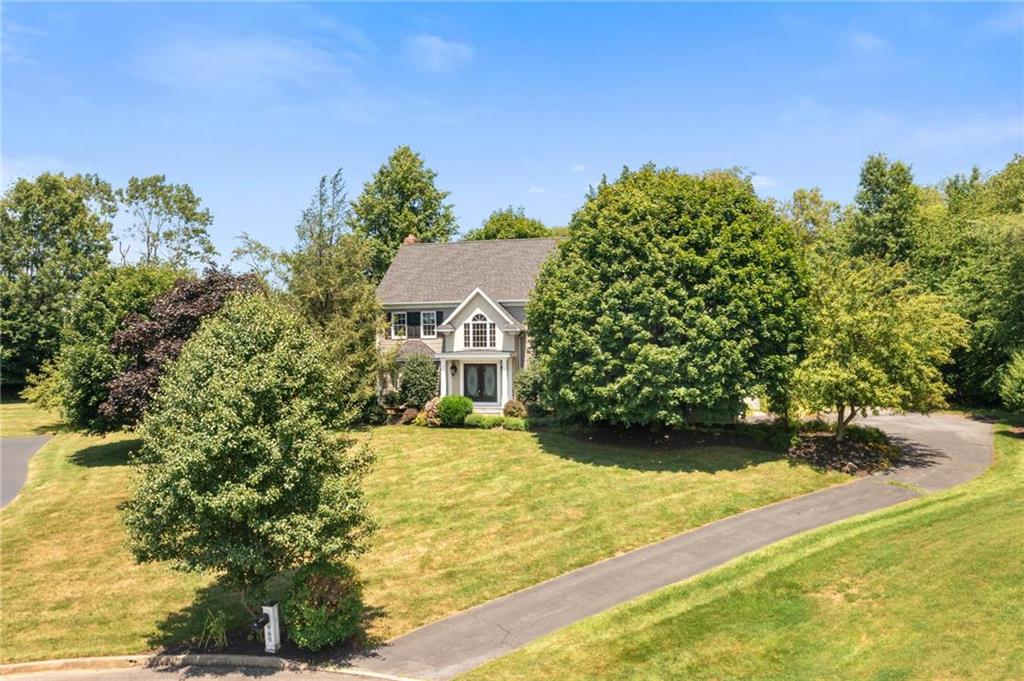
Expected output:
(463, 303)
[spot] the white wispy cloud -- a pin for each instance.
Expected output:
(864, 40)
(253, 64)
(973, 133)
(534, 189)
(434, 54)
(762, 182)
(807, 107)
(1007, 22)
(578, 167)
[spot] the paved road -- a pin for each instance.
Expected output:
(182, 673)
(946, 451)
(14, 455)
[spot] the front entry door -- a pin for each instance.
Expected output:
(481, 382)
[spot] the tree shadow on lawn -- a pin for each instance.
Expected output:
(182, 632)
(115, 453)
(697, 451)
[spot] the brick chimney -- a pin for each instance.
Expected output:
(411, 239)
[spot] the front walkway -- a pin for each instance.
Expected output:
(945, 451)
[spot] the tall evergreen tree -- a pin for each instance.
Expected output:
(400, 200)
(54, 231)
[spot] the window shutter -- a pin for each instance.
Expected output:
(387, 325)
(440, 317)
(413, 319)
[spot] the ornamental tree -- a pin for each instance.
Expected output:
(876, 342)
(674, 297)
(240, 471)
(148, 343)
(86, 363)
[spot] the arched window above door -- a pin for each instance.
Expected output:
(479, 332)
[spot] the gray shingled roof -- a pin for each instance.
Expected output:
(448, 272)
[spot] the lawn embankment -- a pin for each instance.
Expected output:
(464, 516)
(19, 419)
(931, 589)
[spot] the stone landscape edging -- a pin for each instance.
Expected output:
(186, 660)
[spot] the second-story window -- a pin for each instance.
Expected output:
(399, 326)
(479, 332)
(428, 324)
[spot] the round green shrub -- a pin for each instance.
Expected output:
(419, 381)
(324, 606)
(1011, 386)
(514, 408)
(527, 383)
(453, 410)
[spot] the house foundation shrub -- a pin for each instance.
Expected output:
(419, 381)
(514, 423)
(514, 408)
(452, 410)
(324, 607)
(486, 421)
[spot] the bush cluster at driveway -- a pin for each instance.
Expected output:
(931, 589)
(465, 515)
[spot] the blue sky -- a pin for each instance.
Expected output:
(523, 104)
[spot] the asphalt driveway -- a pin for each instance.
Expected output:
(15, 453)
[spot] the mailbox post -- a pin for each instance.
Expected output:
(271, 626)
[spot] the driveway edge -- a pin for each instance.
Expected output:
(193, 660)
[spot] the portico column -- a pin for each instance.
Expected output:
(444, 377)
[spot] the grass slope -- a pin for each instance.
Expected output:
(18, 419)
(465, 516)
(932, 589)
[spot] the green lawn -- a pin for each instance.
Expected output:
(932, 589)
(18, 418)
(464, 515)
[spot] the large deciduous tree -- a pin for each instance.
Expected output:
(509, 223)
(401, 199)
(240, 471)
(876, 341)
(882, 223)
(148, 343)
(54, 231)
(810, 214)
(86, 364)
(168, 224)
(674, 297)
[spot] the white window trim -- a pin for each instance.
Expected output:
(432, 313)
(405, 324)
(490, 332)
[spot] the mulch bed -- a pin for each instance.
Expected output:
(821, 450)
(245, 642)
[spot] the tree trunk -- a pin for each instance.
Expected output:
(841, 423)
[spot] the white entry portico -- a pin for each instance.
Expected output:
(483, 376)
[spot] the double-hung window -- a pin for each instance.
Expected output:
(428, 324)
(399, 326)
(478, 332)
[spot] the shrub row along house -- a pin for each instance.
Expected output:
(464, 304)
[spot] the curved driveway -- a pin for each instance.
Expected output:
(14, 455)
(944, 451)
